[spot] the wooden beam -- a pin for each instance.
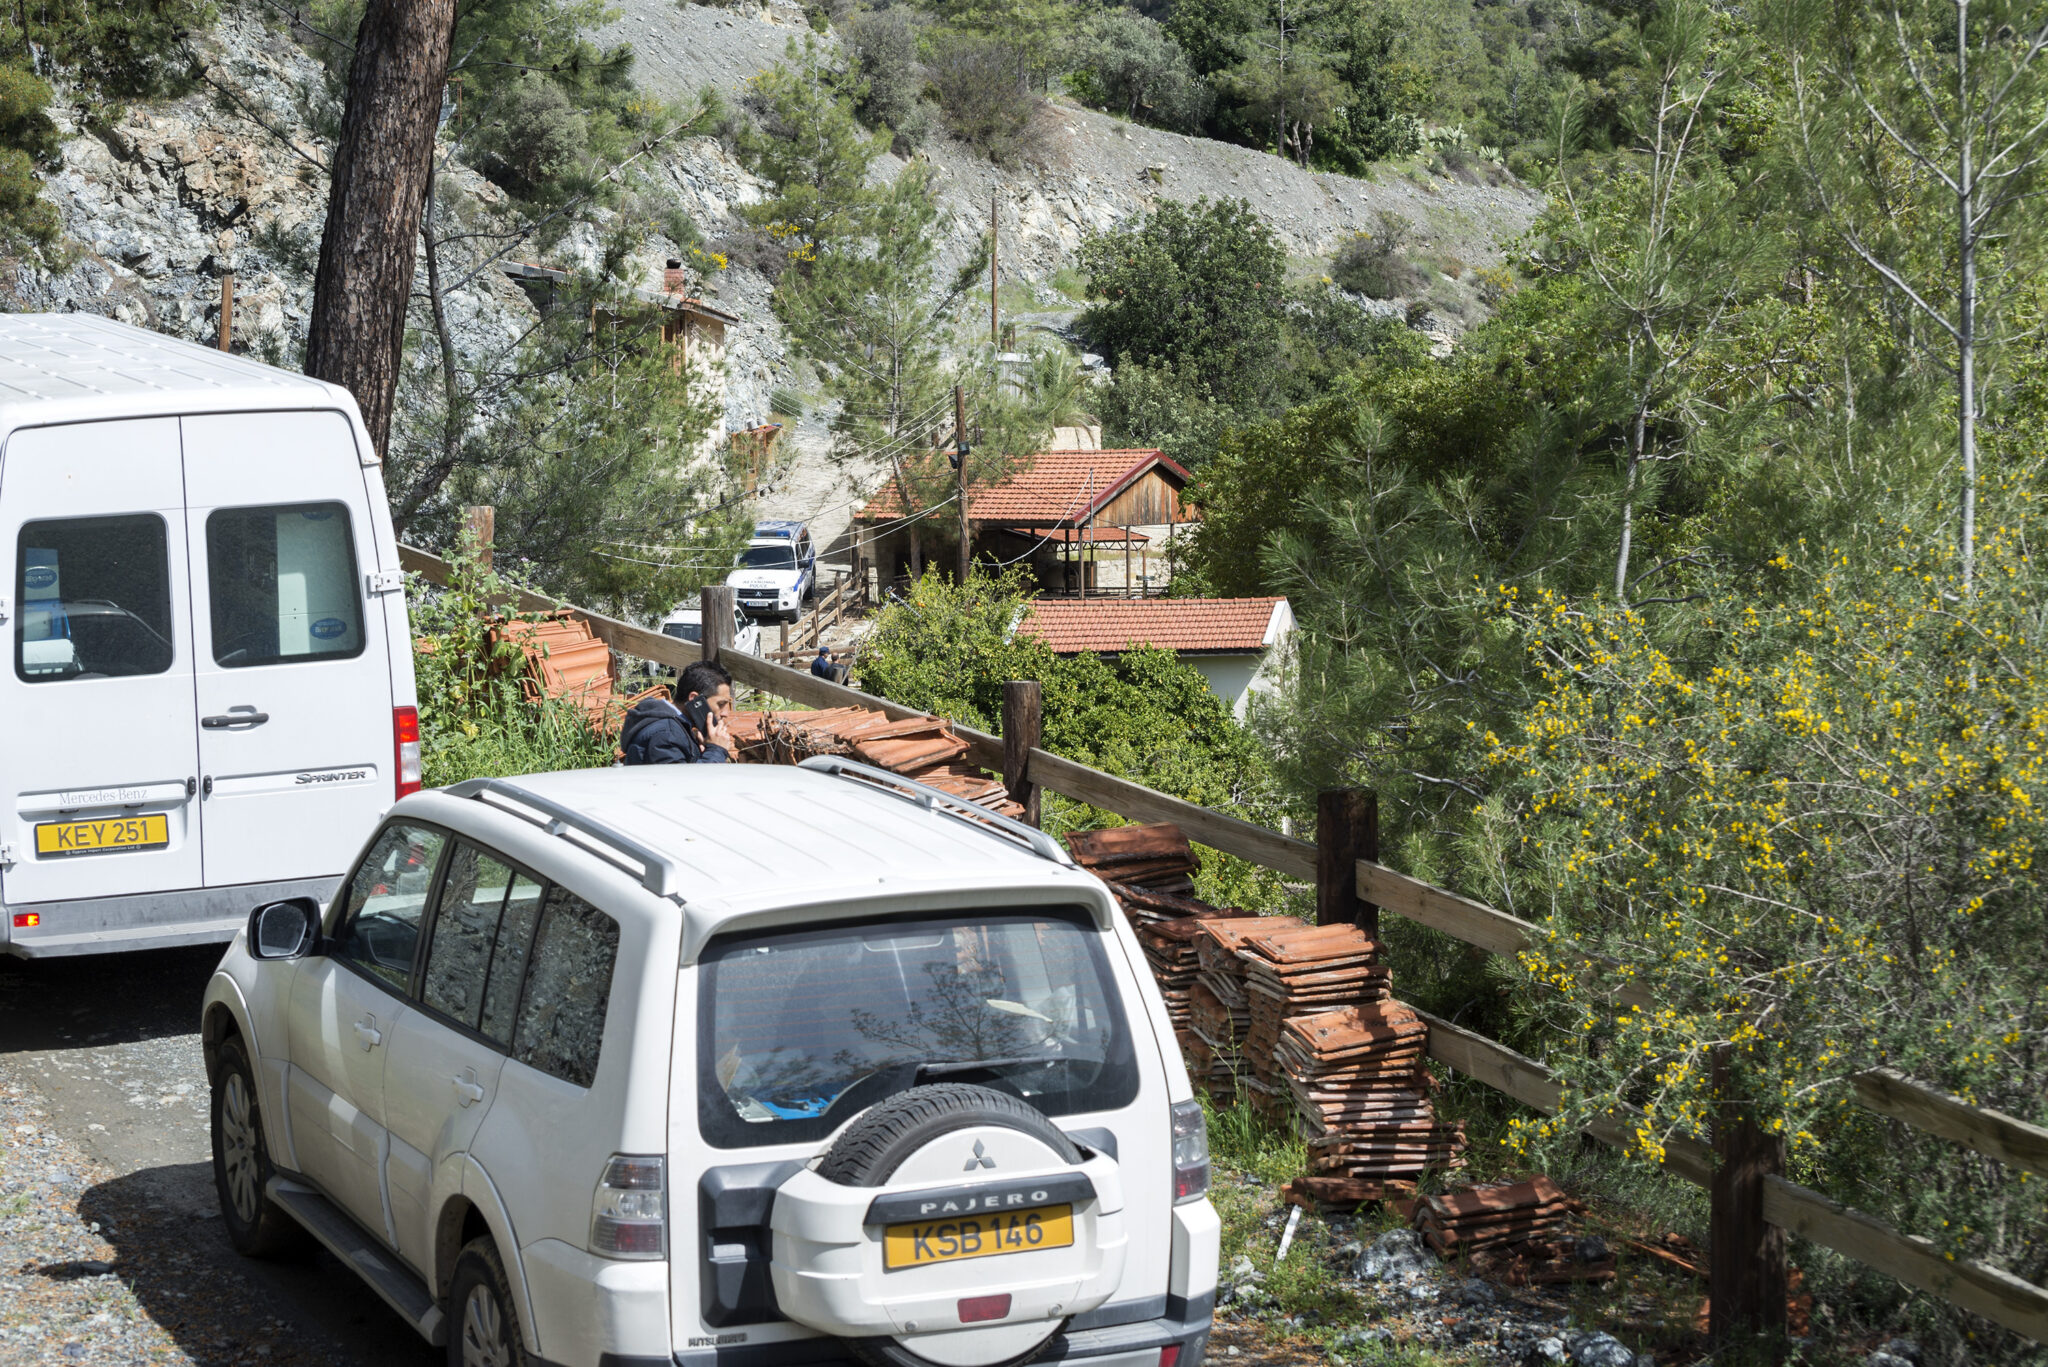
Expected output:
(1978, 1287)
(1746, 1269)
(1494, 1064)
(716, 604)
(1347, 832)
(801, 686)
(1296, 858)
(1461, 918)
(1022, 723)
(1991, 1133)
(1538, 1088)
(623, 637)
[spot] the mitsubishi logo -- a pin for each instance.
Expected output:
(980, 1159)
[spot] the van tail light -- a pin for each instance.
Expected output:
(1190, 1152)
(405, 739)
(629, 1213)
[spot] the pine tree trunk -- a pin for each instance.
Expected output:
(382, 165)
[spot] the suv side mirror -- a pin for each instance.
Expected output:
(284, 930)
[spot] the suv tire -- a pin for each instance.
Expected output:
(874, 1146)
(256, 1226)
(870, 1150)
(483, 1329)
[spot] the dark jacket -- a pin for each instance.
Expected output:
(655, 733)
(824, 668)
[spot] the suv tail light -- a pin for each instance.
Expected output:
(405, 741)
(1190, 1152)
(629, 1213)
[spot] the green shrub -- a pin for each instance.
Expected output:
(475, 721)
(984, 99)
(881, 46)
(1372, 263)
(1128, 63)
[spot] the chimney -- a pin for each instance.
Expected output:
(672, 277)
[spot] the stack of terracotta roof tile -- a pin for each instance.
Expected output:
(1151, 868)
(1296, 972)
(1219, 1005)
(561, 659)
(1343, 1195)
(1356, 1067)
(921, 748)
(1170, 949)
(1514, 1231)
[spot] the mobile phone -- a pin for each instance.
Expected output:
(697, 713)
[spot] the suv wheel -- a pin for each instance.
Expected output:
(485, 1332)
(241, 1163)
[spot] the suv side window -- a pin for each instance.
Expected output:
(568, 987)
(475, 917)
(378, 923)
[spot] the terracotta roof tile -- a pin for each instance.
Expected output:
(1057, 486)
(1072, 625)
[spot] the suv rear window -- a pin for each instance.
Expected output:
(799, 1029)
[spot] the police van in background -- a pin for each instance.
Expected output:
(210, 701)
(777, 572)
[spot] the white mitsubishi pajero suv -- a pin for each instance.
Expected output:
(720, 1066)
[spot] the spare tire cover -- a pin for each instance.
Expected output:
(888, 1139)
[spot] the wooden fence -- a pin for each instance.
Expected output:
(1750, 1198)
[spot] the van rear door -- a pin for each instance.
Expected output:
(293, 676)
(98, 754)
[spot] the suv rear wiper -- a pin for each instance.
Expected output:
(950, 1067)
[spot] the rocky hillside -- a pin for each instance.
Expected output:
(233, 177)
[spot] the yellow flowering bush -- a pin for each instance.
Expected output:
(1805, 822)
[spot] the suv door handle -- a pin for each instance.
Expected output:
(466, 1089)
(367, 1033)
(235, 716)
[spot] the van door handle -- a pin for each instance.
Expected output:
(367, 1033)
(235, 716)
(466, 1089)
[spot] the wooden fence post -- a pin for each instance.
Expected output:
(482, 522)
(715, 604)
(1347, 830)
(1747, 1274)
(1021, 732)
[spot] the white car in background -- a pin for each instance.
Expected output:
(777, 571)
(687, 624)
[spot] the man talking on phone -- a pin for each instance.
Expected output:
(694, 729)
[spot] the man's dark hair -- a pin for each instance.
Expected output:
(702, 678)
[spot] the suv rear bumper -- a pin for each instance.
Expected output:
(1118, 1343)
(151, 920)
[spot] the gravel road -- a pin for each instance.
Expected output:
(111, 1248)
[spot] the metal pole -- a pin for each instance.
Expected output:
(960, 452)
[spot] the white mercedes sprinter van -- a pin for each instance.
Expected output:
(209, 701)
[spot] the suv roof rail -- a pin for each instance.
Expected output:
(658, 873)
(995, 823)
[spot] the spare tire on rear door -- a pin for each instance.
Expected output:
(949, 1226)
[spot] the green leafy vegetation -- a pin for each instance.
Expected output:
(1144, 715)
(475, 720)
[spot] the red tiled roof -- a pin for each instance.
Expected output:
(1072, 625)
(1056, 486)
(1068, 536)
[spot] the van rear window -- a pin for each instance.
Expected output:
(797, 1030)
(282, 582)
(95, 598)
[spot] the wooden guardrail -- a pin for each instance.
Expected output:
(1997, 1295)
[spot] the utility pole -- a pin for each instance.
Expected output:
(960, 474)
(994, 236)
